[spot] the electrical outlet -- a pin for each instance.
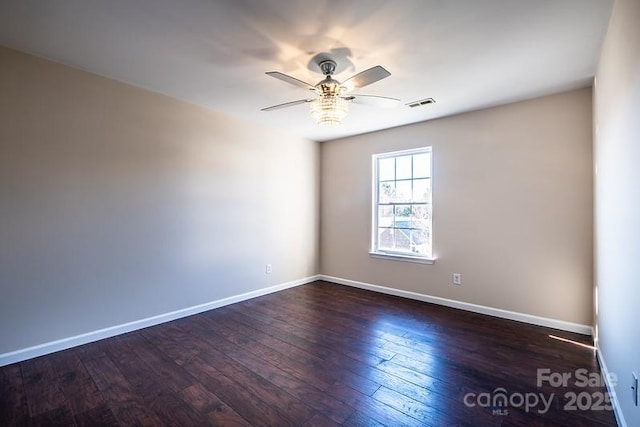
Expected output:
(635, 393)
(457, 279)
(268, 269)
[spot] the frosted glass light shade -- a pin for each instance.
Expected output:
(329, 110)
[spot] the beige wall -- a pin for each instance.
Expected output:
(118, 204)
(617, 190)
(512, 207)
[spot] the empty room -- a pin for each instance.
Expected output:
(358, 213)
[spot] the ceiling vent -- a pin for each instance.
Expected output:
(421, 102)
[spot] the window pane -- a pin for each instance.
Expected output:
(387, 192)
(385, 238)
(402, 240)
(403, 191)
(422, 165)
(419, 216)
(420, 241)
(403, 216)
(386, 169)
(403, 167)
(385, 216)
(421, 190)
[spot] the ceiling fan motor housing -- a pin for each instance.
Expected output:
(328, 67)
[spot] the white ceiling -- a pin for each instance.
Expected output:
(467, 54)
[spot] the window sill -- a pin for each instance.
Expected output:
(405, 258)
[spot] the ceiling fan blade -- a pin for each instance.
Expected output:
(292, 80)
(366, 77)
(374, 101)
(286, 104)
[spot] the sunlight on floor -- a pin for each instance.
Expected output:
(572, 342)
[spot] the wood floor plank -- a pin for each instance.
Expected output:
(313, 397)
(359, 419)
(356, 349)
(41, 386)
(317, 365)
(78, 388)
(316, 355)
(174, 411)
(250, 406)
(291, 407)
(241, 337)
(375, 409)
(216, 411)
(127, 406)
(175, 343)
(57, 417)
(14, 410)
(320, 420)
(165, 369)
(101, 415)
(370, 369)
(428, 415)
(140, 377)
(247, 404)
(324, 345)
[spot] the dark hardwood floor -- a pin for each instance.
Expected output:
(316, 355)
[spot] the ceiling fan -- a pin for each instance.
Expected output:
(330, 105)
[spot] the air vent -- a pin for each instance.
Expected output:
(421, 102)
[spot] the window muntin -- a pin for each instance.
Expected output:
(402, 203)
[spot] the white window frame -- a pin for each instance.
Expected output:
(376, 252)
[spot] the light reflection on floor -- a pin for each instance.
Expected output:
(572, 342)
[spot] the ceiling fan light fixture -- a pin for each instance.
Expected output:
(329, 110)
(332, 102)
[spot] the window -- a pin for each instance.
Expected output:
(402, 205)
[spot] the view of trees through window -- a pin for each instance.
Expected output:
(403, 203)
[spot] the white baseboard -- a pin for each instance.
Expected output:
(612, 392)
(496, 312)
(65, 343)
